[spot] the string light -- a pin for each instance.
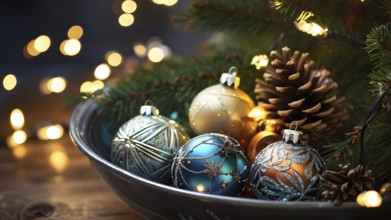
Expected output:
(56, 84)
(102, 71)
(19, 152)
(260, 61)
(200, 187)
(129, 6)
(369, 199)
(125, 20)
(70, 47)
(113, 58)
(9, 82)
(140, 50)
(90, 87)
(156, 54)
(18, 137)
(58, 160)
(42, 43)
(50, 132)
(75, 32)
(30, 49)
(17, 119)
(311, 28)
(257, 113)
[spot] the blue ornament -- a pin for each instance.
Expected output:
(146, 144)
(211, 163)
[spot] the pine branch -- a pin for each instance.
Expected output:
(378, 47)
(171, 85)
(232, 16)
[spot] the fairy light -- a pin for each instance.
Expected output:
(42, 43)
(311, 28)
(30, 49)
(125, 20)
(50, 132)
(9, 82)
(129, 6)
(369, 199)
(56, 84)
(75, 32)
(260, 61)
(58, 160)
(88, 86)
(257, 113)
(140, 50)
(200, 188)
(170, 2)
(19, 152)
(17, 119)
(102, 71)
(113, 58)
(156, 54)
(19, 137)
(70, 47)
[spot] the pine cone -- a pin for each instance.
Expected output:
(346, 184)
(293, 90)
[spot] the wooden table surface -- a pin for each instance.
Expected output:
(53, 180)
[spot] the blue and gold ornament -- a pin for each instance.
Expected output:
(146, 144)
(287, 170)
(211, 163)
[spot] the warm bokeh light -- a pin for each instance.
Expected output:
(56, 84)
(9, 82)
(113, 58)
(102, 71)
(170, 2)
(17, 119)
(125, 20)
(369, 199)
(89, 87)
(140, 50)
(257, 113)
(75, 32)
(31, 49)
(19, 137)
(200, 188)
(19, 152)
(50, 132)
(260, 61)
(70, 47)
(311, 28)
(42, 43)
(129, 6)
(159, 2)
(58, 160)
(156, 54)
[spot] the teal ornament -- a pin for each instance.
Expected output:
(211, 163)
(146, 144)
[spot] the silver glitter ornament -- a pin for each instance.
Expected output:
(287, 170)
(146, 144)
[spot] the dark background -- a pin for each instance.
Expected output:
(24, 20)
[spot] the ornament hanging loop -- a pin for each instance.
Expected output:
(230, 79)
(233, 71)
(149, 109)
(292, 135)
(295, 122)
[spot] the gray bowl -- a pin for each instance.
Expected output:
(92, 130)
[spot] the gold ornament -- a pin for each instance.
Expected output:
(224, 109)
(263, 139)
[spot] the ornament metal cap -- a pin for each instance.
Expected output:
(291, 135)
(230, 78)
(149, 109)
